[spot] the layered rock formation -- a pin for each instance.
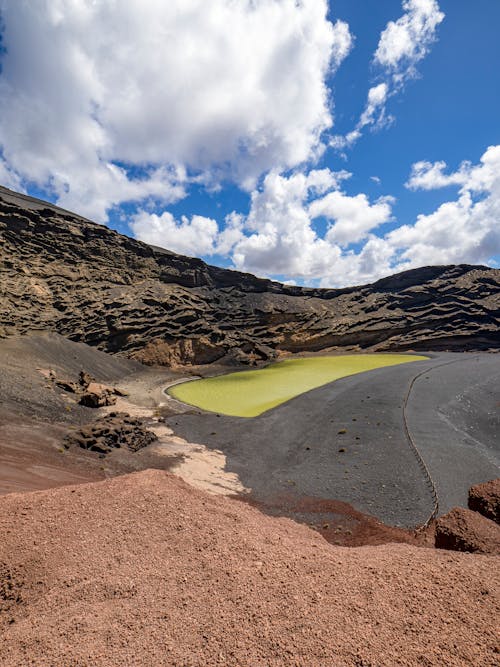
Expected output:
(62, 273)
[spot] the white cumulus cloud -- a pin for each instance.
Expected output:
(466, 229)
(8, 178)
(353, 217)
(406, 41)
(230, 89)
(280, 235)
(189, 236)
(430, 175)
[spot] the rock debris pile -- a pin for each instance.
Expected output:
(113, 431)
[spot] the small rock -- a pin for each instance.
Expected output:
(71, 387)
(98, 395)
(84, 379)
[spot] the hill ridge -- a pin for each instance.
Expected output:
(60, 272)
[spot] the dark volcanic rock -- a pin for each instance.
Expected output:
(113, 431)
(485, 498)
(62, 273)
(464, 530)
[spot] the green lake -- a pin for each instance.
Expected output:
(250, 393)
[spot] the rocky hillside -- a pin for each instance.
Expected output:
(62, 273)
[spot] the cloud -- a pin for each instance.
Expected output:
(97, 187)
(463, 230)
(280, 237)
(377, 96)
(90, 90)
(429, 175)
(406, 41)
(353, 217)
(195, 236)
(9, 178)
(373, 114)
(402, 45)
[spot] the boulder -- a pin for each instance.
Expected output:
(485, 498)
(98, 395)
(465, 530)
(92, 394)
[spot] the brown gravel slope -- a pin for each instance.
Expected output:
(144, 570)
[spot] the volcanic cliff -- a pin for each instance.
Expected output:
(63, 273)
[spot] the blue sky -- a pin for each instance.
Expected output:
(322, 143)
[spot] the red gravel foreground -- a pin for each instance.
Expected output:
(145, 570)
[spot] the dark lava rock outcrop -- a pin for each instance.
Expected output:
(62, 273)
(113, 431)
(485, 498)
(465, 530)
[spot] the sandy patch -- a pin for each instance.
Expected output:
(201, 467)
(197, 465)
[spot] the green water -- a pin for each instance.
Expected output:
(250, 393)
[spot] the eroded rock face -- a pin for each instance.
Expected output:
(485, 498)
(465, 530)
(180, 352)
(62, 273)
(113, 431)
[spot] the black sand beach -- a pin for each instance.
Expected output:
(347, 441)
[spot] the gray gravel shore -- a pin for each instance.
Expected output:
(346, 440)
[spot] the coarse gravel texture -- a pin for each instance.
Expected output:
(144, 570)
